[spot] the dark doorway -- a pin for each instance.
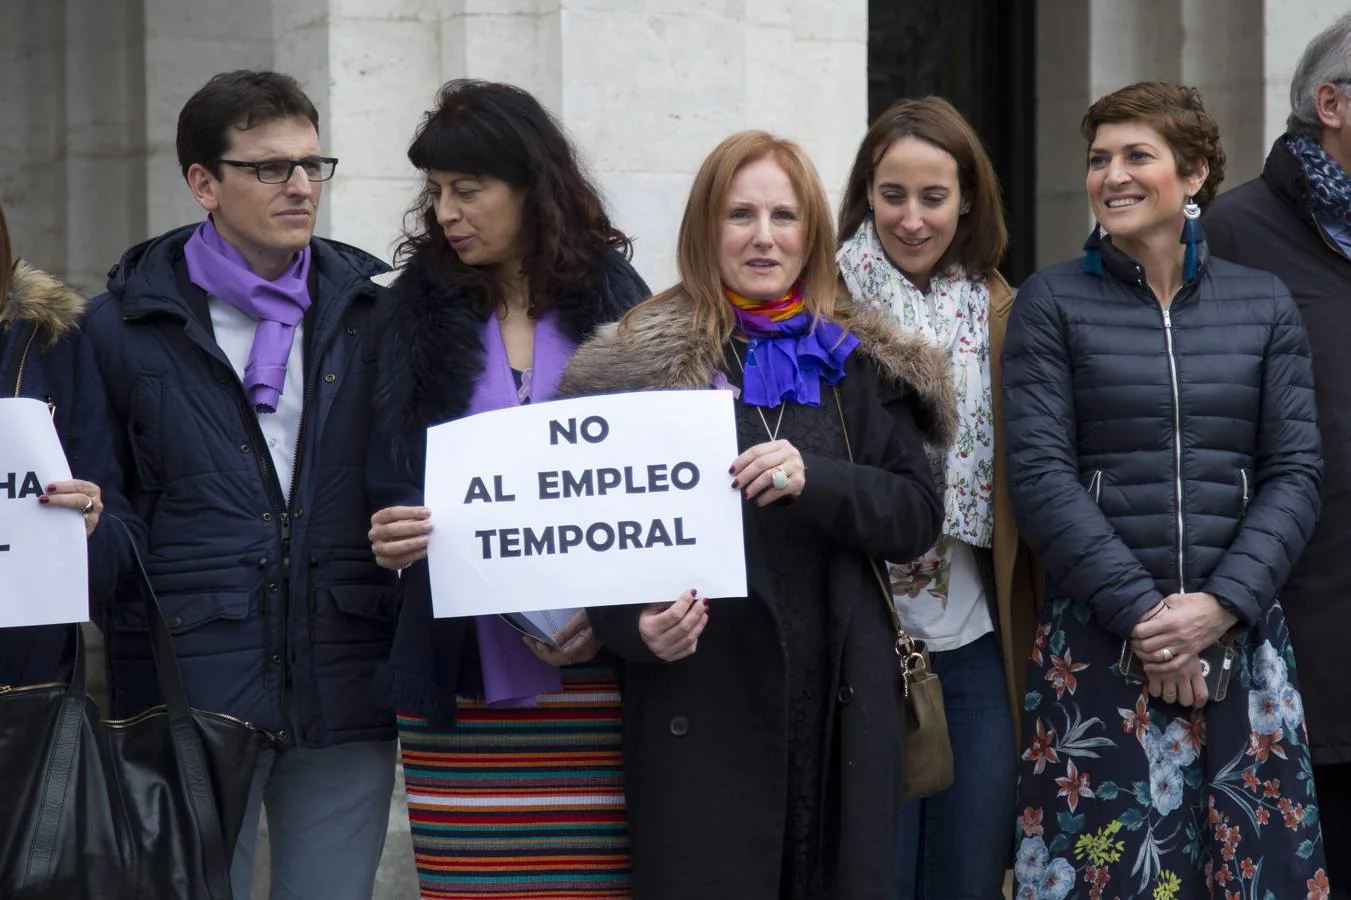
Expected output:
(980, 55)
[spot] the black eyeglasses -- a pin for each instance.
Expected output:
(279, 171)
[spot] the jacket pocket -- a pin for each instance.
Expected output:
(1095, 486)
(202, 624)
(353, 613)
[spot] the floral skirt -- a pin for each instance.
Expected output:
(1123, 795)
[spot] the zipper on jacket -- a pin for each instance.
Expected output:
(1243, 473)
(1095, 486)
(23, 361)
(1177, 454)
(26, 688)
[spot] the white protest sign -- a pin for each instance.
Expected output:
(44, 568)
(597, 501)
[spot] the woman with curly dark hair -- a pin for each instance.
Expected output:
(1164, 463)
(511, 749)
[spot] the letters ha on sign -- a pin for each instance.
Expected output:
(43, 553)
(587, 502)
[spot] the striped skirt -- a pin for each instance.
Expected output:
(517, 803)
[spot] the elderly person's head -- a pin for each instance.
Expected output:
(1320, 92)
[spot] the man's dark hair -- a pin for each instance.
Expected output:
(241, 99)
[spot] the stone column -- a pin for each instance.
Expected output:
(371, 69)
(105, 172)
(186, 42)
(1289, 25)
(32, 139)
(1222, 42)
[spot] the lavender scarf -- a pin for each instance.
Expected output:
(216, 267)
(512, 675)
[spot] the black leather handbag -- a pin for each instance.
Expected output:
(147, 807)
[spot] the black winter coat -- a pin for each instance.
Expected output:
(278, 610)
(430, 354)
(1269, 223)
(705, 738)
(1154, 452)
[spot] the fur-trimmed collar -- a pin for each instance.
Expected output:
(662, 351)
(39, 298)
(431, 349)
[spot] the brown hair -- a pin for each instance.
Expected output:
(701, 227)
(1175, 111)
(6, 261)
(981, 237)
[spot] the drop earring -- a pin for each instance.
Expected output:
(1191, 236)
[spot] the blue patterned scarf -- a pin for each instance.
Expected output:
(1329, 183)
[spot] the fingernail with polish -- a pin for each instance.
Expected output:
(44, 499)
(693, 592)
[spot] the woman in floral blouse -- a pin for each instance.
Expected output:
(1164, 464)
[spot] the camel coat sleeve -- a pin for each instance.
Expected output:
(1019, 579)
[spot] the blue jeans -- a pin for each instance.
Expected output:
(327, 816)
(956, 845)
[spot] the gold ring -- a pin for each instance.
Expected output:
(88, 507)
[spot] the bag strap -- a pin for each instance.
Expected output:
(24, 332)
(193, 769)
(192, 761)
(910, 651)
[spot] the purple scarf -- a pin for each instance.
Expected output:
(788, 360)
(512, 675)
(279, 306)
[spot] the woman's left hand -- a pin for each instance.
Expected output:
(81, 496)
(753, 472)
(1191, 623)
(578, 641)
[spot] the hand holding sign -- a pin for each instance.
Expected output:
(82, 496)
(671, 630)
(398, 535)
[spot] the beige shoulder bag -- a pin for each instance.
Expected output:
(927, 751)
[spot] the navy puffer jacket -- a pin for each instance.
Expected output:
(1152, 452)
(278, 610)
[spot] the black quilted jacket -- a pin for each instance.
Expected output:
(1154, 452)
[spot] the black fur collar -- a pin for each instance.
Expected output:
(431, 353)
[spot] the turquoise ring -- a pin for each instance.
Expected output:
(780, 477)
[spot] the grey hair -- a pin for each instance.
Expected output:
(1327, 60)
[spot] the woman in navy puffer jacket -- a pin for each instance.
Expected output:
(40, 341)
(1164, 463)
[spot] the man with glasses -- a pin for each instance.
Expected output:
(233, 353)
(1295, 221)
